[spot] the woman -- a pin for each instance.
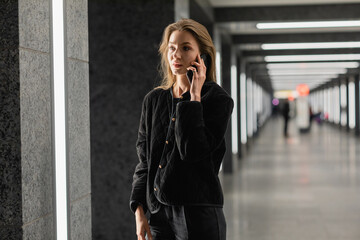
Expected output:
(181, 142)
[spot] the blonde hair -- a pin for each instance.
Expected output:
(206, 46)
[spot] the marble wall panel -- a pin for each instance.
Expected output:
(36, 155)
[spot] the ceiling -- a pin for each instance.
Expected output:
(239, 19)
(242, 3)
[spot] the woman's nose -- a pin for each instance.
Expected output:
(176, 54)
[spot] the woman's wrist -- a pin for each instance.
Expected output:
(139, 210)
(195, 97)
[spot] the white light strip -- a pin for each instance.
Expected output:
(59, 121)
(318, 24)
(309, 65)
(351, 99)
(310, 77)
(298, 82)
(306, 72)
(320, 57)
(234, 128)
(243, 98)
(310, 45)
(218, 68)
(292, 84)
(249, 107)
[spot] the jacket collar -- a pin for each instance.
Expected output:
(185, 95)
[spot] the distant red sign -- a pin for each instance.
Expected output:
(303, 89)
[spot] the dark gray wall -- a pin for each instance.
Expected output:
(10, 142)
(198, 14)
(123, 44)
(226, 84)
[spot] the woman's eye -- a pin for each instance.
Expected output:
(186, 48)
(171, 48)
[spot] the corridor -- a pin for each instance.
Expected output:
(302, 187)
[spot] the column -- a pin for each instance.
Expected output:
(124, 37)
(357, 105)
(26, 203)
(226, 84)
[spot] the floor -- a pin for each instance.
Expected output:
(306, 186)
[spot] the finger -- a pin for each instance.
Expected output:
(192, 69)
(195, 76)
(198, 58)
(195, 63)
(148, 232)
(142, 236)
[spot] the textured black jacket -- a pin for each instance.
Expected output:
(180, 147)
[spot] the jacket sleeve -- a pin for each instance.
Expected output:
(138, 193)
(198, 135)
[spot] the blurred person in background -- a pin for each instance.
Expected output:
(285, 114)
(181, 142)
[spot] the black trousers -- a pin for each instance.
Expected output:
(188, 223)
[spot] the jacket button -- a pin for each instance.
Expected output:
(155, 189)
(160, 166)
(173, 119)
(167, 142)
(181, 97)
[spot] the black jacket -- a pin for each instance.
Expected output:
(180, 147)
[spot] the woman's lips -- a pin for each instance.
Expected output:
(177, 65)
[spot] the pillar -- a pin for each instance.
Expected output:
(124, 37)
(357, 105)
(226, 84)
(26, 200)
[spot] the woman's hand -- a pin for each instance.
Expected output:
(142, 225)
(199, 76)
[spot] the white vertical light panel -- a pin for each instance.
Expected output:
(352, 117)
(243, 106)
(218, 68)
(217, 43)
(326, 112)
(321, 101)
(331, 104)
(234, 120)
(343, 102)
(336, 105)
(254, 105)
(249, 107)
(59, 119)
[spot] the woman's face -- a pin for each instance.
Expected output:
(182, 50)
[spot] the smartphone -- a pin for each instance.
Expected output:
(206, 59)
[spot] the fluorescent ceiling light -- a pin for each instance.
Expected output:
(297, 80)
(297, 83)
(310, 45)
(306, 72)
(310, 65)
(293, 85)
(318, 24)
(318, 57)
(314, 77)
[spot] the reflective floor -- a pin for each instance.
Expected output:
(303, 187)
